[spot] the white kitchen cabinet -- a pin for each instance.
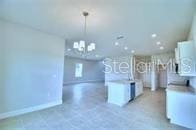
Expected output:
(138, 88)
(194, 112)
(169, 101)
(185, 56)
(182, 113)
(177, 60)
(180, 106)
(118, 93)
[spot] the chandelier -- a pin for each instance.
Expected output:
(82, 47)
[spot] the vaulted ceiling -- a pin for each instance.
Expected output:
(136, 20)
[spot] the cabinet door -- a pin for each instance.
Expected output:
(187, 58)
(116, 93)
(139, 88)
(182, 109)
(194, 113)
(170, 104)
(177, 55)
(126, 93)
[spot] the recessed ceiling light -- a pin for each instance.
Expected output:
(132, 51)
(116, 43)
(158, 43)
(154, 35)
(126, 48)
(161, 47)
(68, 49)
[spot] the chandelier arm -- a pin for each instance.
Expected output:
(84, 51)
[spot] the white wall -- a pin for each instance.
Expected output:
(31, 68)
(146, 76)
(163, 58)
(92, 70)
(115, 72)
(160, 77)
(132, 72)
(173, 77)
(192, 36)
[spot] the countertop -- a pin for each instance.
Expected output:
(123, 81)
(181, 89)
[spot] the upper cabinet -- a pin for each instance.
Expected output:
(185, 58)
(177, 59)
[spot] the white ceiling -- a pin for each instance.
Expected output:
(136, 20)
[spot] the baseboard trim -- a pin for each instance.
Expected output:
(87, 81)
(30, 109)
(183, 125)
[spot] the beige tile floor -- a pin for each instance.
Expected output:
(85, 108)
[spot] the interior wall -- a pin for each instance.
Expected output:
(117, 68)
(92, 70)
(31, 67)
(167, 76)
(192, 36)
(173, 77)
(162, 78)
(146, 76)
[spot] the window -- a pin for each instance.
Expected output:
(78, 70)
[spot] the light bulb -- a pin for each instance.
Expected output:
(92, 46)
(82, 44)
(89, 48)
(76, 45)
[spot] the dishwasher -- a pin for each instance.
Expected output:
(132, 91)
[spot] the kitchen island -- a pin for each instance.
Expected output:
(120, 92)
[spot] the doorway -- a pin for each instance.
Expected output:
(162, 77)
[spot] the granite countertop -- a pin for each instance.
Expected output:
(181, 89)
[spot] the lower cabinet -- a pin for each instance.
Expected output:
(194, 113)
(139, 88)
(181, 109)
(118, 94)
